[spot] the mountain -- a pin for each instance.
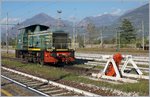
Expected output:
(42, 19)
(111, 21)
(103, 20)
(136, 16)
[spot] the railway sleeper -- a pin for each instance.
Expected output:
(46, 85)
(50, 89)
(53, 91)
(58, 92)
(35, 85)
(44, 89)
(61, 94)
(72, 94)
(26, 81)
(33, 82)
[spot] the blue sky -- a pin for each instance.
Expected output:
(21, 10)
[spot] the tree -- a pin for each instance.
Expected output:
(3, 43)
(92, 33)
(146, 40)
(12, 41)
(80, 40)
(127, 32)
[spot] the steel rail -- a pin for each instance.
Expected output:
(139, 58)
(25, 86)
(103, 59)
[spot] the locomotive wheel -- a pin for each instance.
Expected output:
(60, 64)
(42, 62)
(34, 60)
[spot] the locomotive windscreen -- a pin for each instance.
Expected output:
(60, 40)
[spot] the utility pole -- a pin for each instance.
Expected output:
(59, 19)
(74, 31)
(84, 39)
(102, 38)
(143, 33)
(119, 40)
(76, 36)
(7, 33)
(116, 40)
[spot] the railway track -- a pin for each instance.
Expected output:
(96, 63)
(88, 68)
(101, 57)
(42, 86)
(101, 60)
(79, 70)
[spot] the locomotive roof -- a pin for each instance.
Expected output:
(31, 26)
(58, 31)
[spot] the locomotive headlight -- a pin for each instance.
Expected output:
(46, 55)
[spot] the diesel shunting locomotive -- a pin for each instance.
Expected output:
(37, 43)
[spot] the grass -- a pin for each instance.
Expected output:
(11, 55)
(84, 66)
(10, 48)
(144, 66)
(57, 73)
(112, 50)
(102, 67)
(140, 65)
(36, 69)
(141, 86)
